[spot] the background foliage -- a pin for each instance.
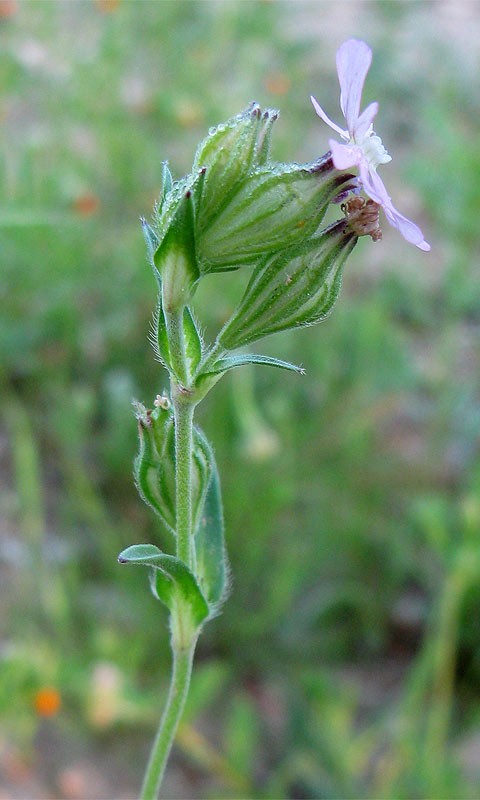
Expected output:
(347, 660)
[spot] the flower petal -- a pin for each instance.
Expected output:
(411, 232)
(365, 120)
(373, 185)
(321, 113)
(353, 62)
(375, 188)
(345, 155)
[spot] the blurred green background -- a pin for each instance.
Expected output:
(346, 663)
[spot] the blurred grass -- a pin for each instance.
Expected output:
(346, 663)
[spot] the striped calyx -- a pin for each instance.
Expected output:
(236, 205)
(275, 207)
(291, 289)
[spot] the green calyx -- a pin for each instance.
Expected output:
(235, 206)
(276, 207)
(294, 288)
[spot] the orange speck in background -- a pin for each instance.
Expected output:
(87, 204)
(47, 701)
(8, 8)
(108, 6)
(277, 83)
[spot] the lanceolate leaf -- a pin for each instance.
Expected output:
(175, 257)
(193, 342)
(174, 580)
(211, 559)
(223, 364)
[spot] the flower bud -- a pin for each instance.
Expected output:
(236, 205)
(227, 154)
(274, 208)
(294, 288)
(154, 467)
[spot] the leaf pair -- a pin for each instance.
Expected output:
(202, 589)
(173, 583)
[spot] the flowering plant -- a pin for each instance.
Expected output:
(237, 209)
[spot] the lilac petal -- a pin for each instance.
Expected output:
(321, 113)
(375, 188)
(365, 120)
(345, 155)
(411, 232)
(353, 62)
(373, 185)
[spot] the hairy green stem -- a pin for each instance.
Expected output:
(183, 411)
(182, 649)
(179, 685)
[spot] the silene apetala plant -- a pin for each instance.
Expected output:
(239, 209)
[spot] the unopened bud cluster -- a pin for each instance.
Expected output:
(239, 208)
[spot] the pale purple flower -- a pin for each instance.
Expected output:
(364, 149)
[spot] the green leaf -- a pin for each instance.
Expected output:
(160, 342)
(193, 342)
(175, 257)
(173, 580)
(223, 364)
(155, 464)
(211, 560)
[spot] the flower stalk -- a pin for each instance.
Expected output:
(183, 416)
(162, 745)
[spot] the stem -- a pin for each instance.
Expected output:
(179, 685)
(182, 650)
(183, 410)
